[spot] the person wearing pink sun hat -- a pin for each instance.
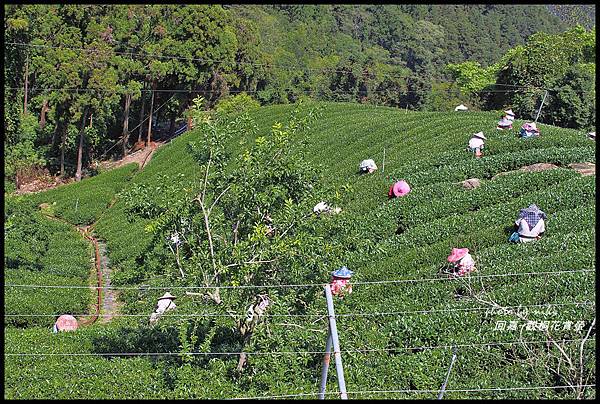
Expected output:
(461, 261)
(66, 322)
(399, 188)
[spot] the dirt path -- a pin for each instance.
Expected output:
(141, 157)
(110, 305)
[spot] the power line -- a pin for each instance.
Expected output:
(363, 314)
(280, 352)
(397, 281)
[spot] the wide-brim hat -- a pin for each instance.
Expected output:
(400, 188)
(167, 296)
(457, 253)
(320, 207)
(461, 107)
(480, 135)
(66, 322)
(343, 272)
(530, 126)
(509, 112)
(367, 163)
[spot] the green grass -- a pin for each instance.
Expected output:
(426, 149)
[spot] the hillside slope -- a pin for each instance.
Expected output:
(396, 333)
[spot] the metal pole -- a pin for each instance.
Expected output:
(447, 374)
(540, 110)
(326, 360)
(336, 344)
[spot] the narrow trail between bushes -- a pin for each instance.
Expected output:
(106, 303)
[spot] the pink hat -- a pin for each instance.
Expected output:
(400, 188)
(66, 322)
(457, 253)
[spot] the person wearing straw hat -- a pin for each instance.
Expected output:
(509, 114)
(530, 225)
(324, 208)
(398, 189)
(367, 166)
(476, 143)
(165, 302)
(461, 261)
(340, 279)
(529, 129)
(504, 123)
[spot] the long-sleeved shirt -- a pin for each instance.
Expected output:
(525, 233)
(475, 142)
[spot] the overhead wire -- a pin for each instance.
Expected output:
(361, 314)
(308, 285)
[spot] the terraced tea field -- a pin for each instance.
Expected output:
(399, 325)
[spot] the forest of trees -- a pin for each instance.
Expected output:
(83, 79)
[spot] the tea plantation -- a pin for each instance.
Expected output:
(398, 326)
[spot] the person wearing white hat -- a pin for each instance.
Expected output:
(476, 143)
(323, 207)
(367, 166)
(165, 302)
(529, 129)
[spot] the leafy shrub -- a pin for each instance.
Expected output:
(237, 104)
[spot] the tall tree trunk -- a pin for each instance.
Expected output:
(26, 85)
(142, 110)
(126, 123)
(151, 112)
(80, 149)
(63, 142)
(43, 115)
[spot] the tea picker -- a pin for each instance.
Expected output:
(461, 262)
(530, 225)
(65, 322)
(507, 120)
(476, 144)
(340, 285)
(367, 166)
(164, 303)
(323, 207)
(398, 189)
(528, 130)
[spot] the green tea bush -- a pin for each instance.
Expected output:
(82, 203)
(407, 326)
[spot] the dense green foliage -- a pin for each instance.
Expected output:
(426, 149)
(95, 74)
(563, 64)
(40, 251)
